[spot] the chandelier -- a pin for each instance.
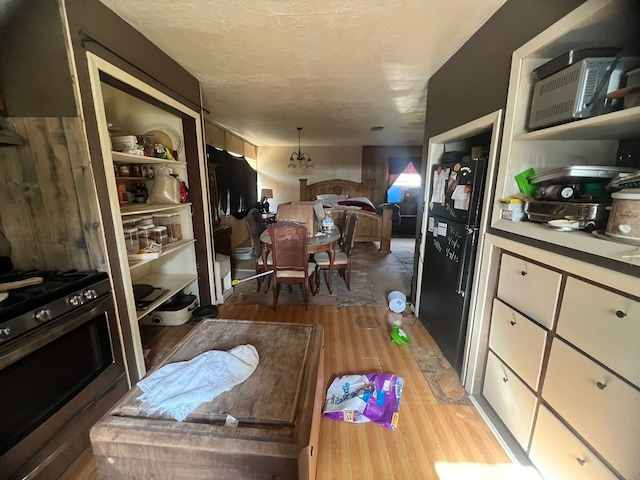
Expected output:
(303, 159)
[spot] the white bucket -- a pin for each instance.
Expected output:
(397, 301)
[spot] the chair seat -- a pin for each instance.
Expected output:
(260, 262)
(311, 267)
(322, 259)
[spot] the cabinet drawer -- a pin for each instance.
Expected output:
(558, 454)
(518, 341)
(603, 324)
(530, 288)
(597, 404)
(510, 398)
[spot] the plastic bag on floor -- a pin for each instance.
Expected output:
(373, 397)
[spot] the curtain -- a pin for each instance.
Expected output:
(396, 167)
(237, 182)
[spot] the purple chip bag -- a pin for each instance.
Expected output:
(374, 397)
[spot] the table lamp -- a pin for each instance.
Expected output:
(264, 204)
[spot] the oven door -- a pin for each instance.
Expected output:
(56, 382)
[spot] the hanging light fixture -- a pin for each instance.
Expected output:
(303, 159)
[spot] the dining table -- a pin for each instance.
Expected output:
(320, 242)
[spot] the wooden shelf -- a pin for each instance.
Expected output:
(171, 283)
(168, 249)
(133, 179)
(149, 208)
(119, 157)
(610, 126)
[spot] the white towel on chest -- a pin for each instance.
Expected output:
(178, 388)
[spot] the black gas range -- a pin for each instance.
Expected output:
(50, 296)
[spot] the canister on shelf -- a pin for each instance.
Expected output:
(172, 222)
(131, 240)
(145, 220)
(129, 222)
(159, 235)
(145, 235)
(125, 170)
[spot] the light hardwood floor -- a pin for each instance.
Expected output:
(433, 440)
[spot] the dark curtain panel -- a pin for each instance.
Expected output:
(237, 182)
(396, 167)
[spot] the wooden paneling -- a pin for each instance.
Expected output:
(48, 205)
(375, 167)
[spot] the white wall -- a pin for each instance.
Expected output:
(329, 163)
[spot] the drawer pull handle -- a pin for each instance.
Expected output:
(505, 379)
(581, 461)
(621, 314)
(512, 322)
(523, 273)
(601, 385)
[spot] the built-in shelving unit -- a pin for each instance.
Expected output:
(136, 108)
(590, 141)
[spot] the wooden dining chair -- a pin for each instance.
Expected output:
(342, 260)
(290, 259)
(341, 223)
(264, 262)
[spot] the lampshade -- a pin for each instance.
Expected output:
(266, 193)
(303, 159)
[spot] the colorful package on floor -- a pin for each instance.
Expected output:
(374, 397)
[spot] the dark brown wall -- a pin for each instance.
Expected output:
(34, 72)
(109, 36)
(474, 81)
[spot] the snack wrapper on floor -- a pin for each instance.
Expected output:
(373, 397)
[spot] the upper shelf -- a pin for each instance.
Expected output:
(119, 157)
(610, 126)
(149, 208)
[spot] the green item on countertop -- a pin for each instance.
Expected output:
(522, 179)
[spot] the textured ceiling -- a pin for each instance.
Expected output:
(334, 67)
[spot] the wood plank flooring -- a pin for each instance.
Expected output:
(433, 440)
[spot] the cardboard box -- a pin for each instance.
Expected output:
(309, 213)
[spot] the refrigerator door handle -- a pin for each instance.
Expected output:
(463, 266)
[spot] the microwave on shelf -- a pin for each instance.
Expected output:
(578, 91)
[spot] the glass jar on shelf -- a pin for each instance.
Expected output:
(172, 222)
(131, 240)
(145, 220)
(145, 235)
(159, 235)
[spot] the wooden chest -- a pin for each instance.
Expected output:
(279, 409)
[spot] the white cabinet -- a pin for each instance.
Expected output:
(518, 342)
(587, 425)
(601, 407)
(603, 323)
(137, 108)
(510, 398)
(558, 454)
(530, 288)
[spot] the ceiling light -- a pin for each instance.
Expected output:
(303, 159)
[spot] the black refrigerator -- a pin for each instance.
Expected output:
(454, 203)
